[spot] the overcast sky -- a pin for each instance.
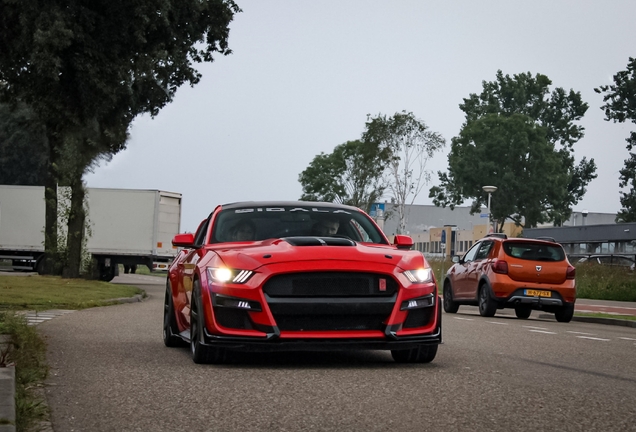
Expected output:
(304, 75)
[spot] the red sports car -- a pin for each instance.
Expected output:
(261, 276)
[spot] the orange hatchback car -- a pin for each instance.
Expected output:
(525, 274)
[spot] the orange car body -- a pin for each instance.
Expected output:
(524, 274)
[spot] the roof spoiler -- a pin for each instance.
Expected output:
(499, 235)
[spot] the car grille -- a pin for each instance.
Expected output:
(329, 284)
(330, 301)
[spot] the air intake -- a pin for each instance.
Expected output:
(319, 241)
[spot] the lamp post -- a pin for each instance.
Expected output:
(490, 190)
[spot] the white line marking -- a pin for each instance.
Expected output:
(495, 322)
(541, 331)
(536, 328)
(581, 333)
(593, 338)
(464, 319)
(626, 338)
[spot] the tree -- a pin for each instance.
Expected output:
(90, 67)
(620, 106)
(411, 145)
(23, 147)
(518, 136)
(351, 174)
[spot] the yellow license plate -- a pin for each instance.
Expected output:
(538, 293)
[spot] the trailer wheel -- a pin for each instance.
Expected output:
(39, 265)
(106, 274)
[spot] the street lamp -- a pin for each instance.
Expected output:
(489, 190)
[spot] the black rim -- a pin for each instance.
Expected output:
(482, 299)
(194, 326)
(447, 297)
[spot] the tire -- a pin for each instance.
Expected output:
(201, 354)
(449, 305)
(523, 312)
(421, 354)
(170, 328)
(565, 314)
(487, 306)
(106, 274)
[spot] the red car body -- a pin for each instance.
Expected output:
(288, 288)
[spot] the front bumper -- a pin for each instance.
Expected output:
(274, 343)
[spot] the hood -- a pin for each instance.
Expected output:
(251, 256)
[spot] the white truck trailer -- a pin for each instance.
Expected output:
(126, 226)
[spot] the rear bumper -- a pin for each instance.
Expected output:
(518, 298)
(534, 301)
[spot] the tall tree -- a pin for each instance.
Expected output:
(520, 137)
(411, 144)
(87, 65)
(351, 174)
(620, 106)
(23, 147)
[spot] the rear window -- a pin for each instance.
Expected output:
(534, 251)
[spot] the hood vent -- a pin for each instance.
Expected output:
(319, 241)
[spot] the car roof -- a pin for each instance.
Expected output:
(520, 240)
(287, 204)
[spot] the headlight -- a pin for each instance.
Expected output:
(223, 274)
(420, 275)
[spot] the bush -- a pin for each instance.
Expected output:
(605, 282)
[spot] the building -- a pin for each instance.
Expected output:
(438, 231)
(591, 239)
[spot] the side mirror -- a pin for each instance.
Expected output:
(183, 240)
(403, 242)
(455, 258)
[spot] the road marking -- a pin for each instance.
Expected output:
(541, 331)
(626, 338)
(495, 322)
(35, 317)
(581, 333)
(536, 328)
(464, 319)
(593, 338)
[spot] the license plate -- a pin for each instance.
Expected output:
(538, 293)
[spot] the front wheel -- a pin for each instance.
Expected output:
(449, 305)
(487, 306)
(420, 354)
(565, 314)
(170, 328)
(201, 353)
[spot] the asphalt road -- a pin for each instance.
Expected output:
(111, 372)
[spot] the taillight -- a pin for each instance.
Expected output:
(500, 266)
(570, 273)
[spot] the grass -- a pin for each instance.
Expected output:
(143, 270)
(27, 352)
(50, 292)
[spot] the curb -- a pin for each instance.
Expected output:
(598, 320)
(134, 299)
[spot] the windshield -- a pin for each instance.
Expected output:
(254, 223)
